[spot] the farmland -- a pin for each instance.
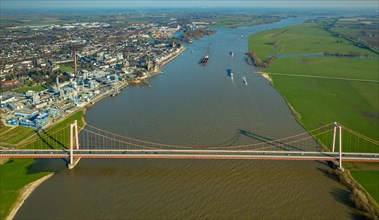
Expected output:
(353, 103)
(324, 89)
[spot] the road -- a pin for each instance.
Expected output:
(192, 154)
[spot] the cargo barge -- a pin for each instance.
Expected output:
(204, 60)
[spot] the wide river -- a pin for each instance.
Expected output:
(194, 105)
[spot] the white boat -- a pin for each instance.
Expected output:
(230, 73)
(244, 80)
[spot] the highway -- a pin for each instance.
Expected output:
(191, 154)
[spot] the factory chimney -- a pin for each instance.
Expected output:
(75, 63)
(57, 82)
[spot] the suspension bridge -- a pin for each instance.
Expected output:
(332, 142)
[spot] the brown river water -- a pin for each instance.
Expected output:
(193, 105)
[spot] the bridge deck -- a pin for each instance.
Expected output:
(192, 154)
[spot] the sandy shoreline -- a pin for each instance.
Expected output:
(265, 75)
(26, 191)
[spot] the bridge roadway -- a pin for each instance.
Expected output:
(190, 154)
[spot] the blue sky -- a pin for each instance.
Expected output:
(374, 4)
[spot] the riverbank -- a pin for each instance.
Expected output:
(347, 94)
(15, 202)
(361, 198)
(365, 199)
(26, 191)
(16, 182)
(210, 112)
(175, 55)
(16, 185)
(325, 84)
(163, 63)
(265, 75)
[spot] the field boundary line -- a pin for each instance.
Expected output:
(323, 77)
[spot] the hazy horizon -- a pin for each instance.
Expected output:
(82, 4)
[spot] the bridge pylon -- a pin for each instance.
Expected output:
(74, 140)
(340, 147)
(335, 126)
(339, 127)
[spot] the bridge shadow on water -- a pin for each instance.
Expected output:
(277, 144)
(340, 194)
(231, 142)
(344, 196)
(260, 139)
(47, 165)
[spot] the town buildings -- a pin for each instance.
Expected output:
(109, 58)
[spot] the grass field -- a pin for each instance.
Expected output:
(369, 180)
(301, 39)
(67, 67)
(33, 88)
(16, 135)
(342, 67)
(242, 21)
(4, 129)
(76, 116)
(14, 176)
(354, 104)
(319, 100)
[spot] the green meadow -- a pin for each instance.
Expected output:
(33, 88)
(4, 129)
(354, 104)
(15, 135)
(301, 39)
(369, 180)
(14, 174)
(326, 89)
(326, 97)
(69, 67)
